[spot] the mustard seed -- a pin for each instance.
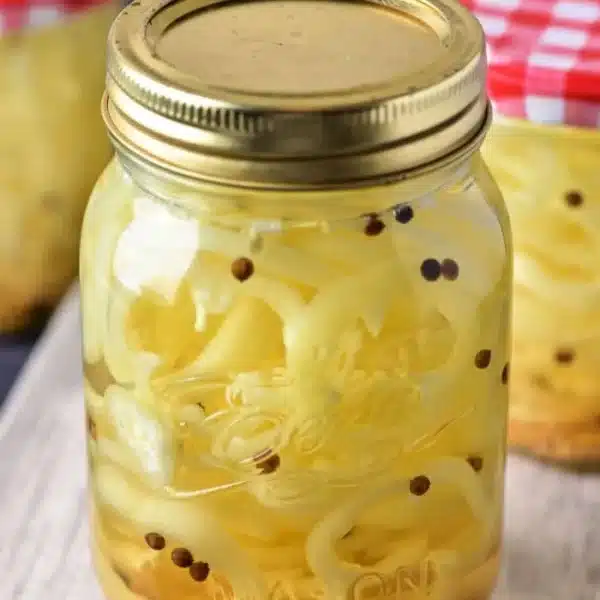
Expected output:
(242, 268)
(374, 225)
(155, 541)
(420, 485)
(476, 463)
(199, 571)
(483, 359)
(182, 557)
(564, 356)
(574, 199)
(403, 213)
(449, 269)
(269, 465)
(431, 269)
(506, 373)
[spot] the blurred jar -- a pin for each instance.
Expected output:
(295, 281)
(544, 150)
(53, 144)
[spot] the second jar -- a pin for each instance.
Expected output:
(544, 150)
(295, 288)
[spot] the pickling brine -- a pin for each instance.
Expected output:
(301, 407)
(296, 306)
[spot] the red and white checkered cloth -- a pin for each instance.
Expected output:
(17, 14)
(544, 59)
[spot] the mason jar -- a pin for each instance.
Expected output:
(53, 146)
(544, 150)
(295, 282)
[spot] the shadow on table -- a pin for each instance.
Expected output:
(15, 349)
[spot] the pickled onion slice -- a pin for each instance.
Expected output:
(114, 212)
(145, 435)
(248, 339)
(339, 575)
(276, 259)
(156, 250)
(215, 290)
(190, 523)
(333, 309)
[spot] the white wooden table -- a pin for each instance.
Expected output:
(552, 546)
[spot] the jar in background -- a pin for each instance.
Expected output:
(53, 144)
(544, 150)
(295, 285)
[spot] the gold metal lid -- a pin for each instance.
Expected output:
(296, 93)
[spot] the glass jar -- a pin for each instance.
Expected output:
(296, 307)
(544, 151)
(53, 145)
(555, 401)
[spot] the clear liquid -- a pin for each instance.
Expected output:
(322, 419)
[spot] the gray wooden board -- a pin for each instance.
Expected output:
(552, 541)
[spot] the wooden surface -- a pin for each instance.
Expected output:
(552, 545)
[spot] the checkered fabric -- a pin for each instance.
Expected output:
(16, 14)
(544, 59)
